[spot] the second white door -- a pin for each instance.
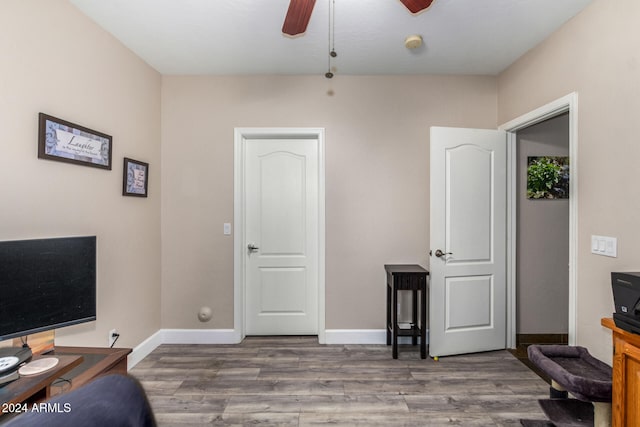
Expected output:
(467, 292)
(281, 230)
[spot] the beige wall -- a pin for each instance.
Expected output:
(596, 54)
(542, 282)
(55, 60)
(377, 179)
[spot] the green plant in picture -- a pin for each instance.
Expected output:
(543, 176)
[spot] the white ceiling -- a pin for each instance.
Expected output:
(244, 36)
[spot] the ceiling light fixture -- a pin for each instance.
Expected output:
(332, 37)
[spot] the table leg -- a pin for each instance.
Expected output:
(423, 322)
(389, 324)
(394, 319)
(414, 318)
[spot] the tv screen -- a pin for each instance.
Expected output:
(46, 284)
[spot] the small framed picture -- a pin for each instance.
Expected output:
(68, 142)
(135, 178)
(547, 177)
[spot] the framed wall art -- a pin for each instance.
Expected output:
(548, 177)
(135, 178)
(68, 142)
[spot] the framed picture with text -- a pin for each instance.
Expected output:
(68, 142)
(135, 178)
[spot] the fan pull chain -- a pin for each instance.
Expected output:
(332, 37)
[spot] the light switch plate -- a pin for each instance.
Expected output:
(604, 245)
(227, 229)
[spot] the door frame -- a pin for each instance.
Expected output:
(568, 103)
(241, 135)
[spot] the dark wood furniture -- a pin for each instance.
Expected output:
(625, 406)
(96, 361)
(37, 387)
(76, 367)
(407, 277)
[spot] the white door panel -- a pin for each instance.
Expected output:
(467, 292)
(469, 203)
(463, 292)
(282, 225)
(276, 282)
(281, 206)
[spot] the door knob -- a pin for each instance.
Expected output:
(252, 247)
(440, 254)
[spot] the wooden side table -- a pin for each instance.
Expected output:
(407, 277)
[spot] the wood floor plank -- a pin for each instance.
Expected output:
(376, 419)
(294, 381)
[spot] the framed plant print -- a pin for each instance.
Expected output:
(68, 142)
(547, 177)
(135, 179)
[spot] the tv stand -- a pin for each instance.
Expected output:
(37, 387)
(77, 366)
(96, 361)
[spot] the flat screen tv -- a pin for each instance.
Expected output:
(46, 284)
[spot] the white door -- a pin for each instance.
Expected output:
(467, 293)
(281, 231)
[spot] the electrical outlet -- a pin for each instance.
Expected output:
(113, 334)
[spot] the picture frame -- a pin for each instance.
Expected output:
(548, 177)
(63, 141)
(135, 178)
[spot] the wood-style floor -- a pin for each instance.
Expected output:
(294, 381)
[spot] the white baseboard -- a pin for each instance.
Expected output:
(231, 336)
(200, 336)
(356, 336)
(143, 349)
(181, 336)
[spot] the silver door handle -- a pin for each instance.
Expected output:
(252, 247)
(439, 253)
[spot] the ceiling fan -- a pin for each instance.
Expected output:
(299, 13)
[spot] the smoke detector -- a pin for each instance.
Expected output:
(413, 42)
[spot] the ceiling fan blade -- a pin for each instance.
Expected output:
(416, 6)
(298, 17)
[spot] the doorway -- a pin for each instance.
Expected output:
(279, 238)
(566, 105)
(542, 264)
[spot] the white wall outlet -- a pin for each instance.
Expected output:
(603, 245)
(113, 335)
